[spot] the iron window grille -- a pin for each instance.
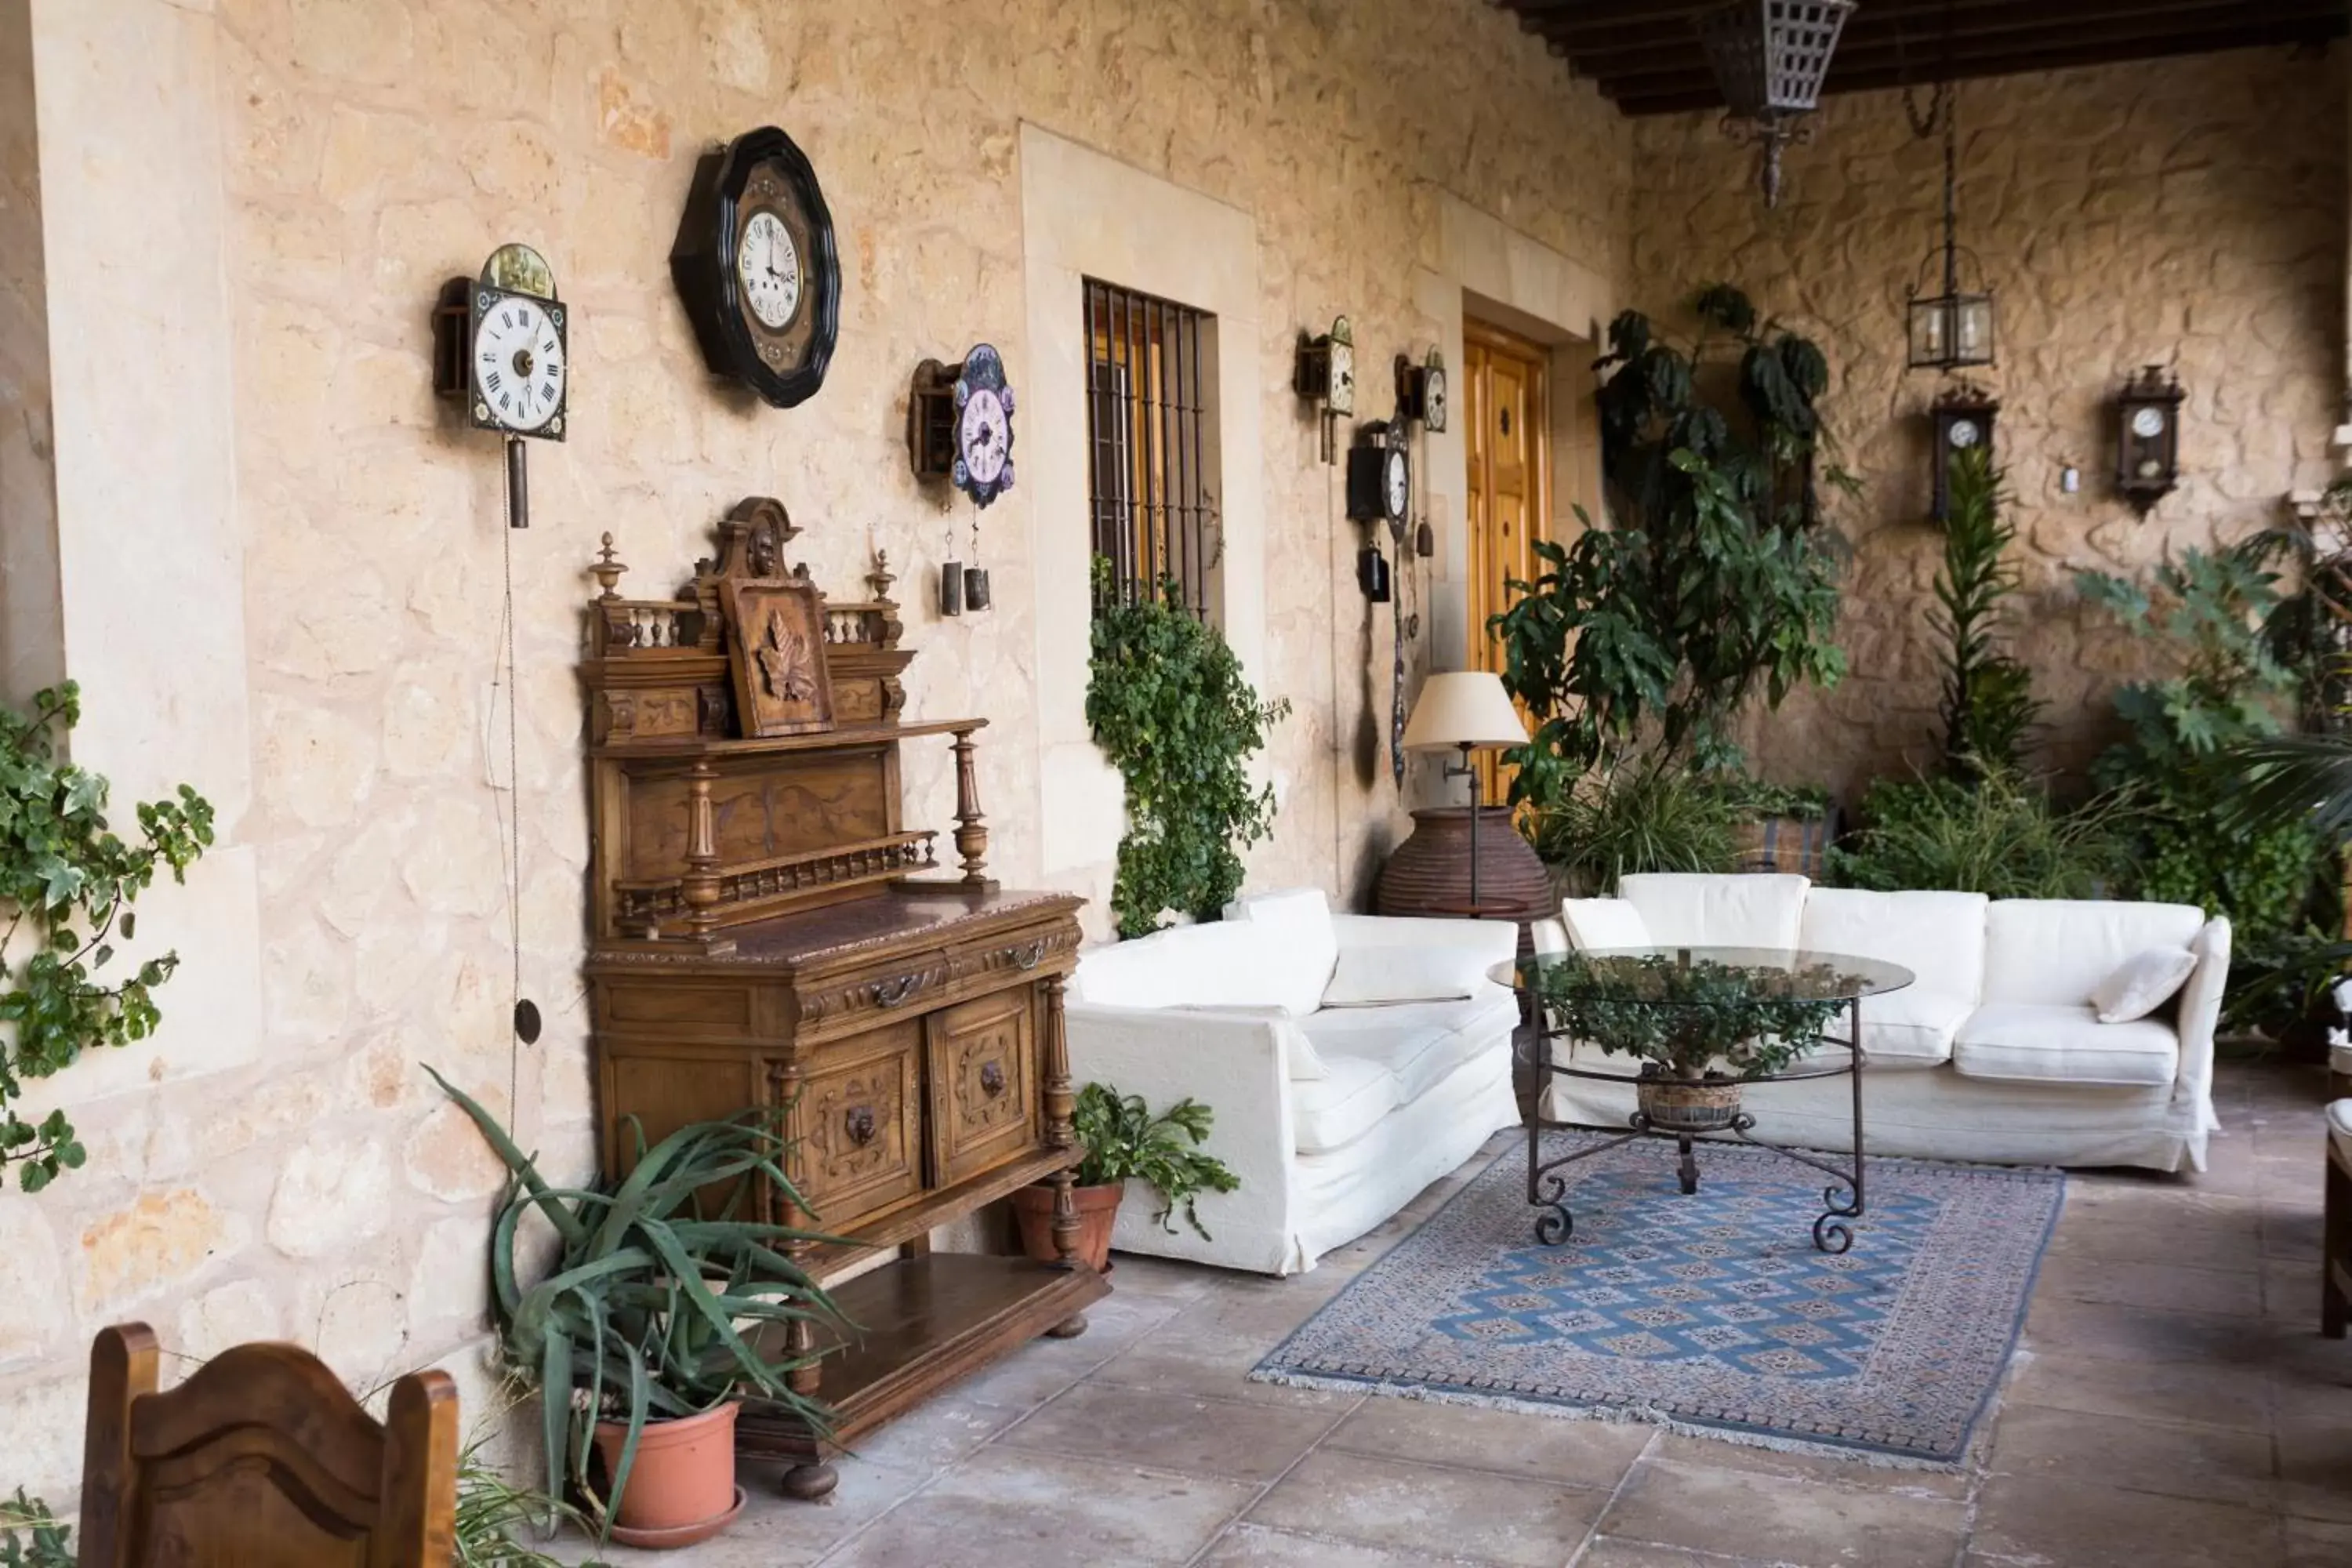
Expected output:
(1151, 445)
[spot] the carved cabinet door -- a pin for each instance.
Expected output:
(983, 1082)
(858, 1120)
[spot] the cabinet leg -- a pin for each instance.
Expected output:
(1065, 1220)
(1069, 1327)
(810, 1482)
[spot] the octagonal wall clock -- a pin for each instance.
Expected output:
(959, 424)
(756, 264)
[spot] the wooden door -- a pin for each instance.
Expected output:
(1509, 398)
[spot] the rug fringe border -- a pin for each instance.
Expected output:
(1615, 1415)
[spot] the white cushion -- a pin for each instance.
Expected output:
(2339, 1125)
(2059, 1043)
(1938, 937)
(1912, 1028)
(1224, 964)
(1694, 910)
(2339, 1050)
(2142, 984)
(1335, 1111)
(1597, 923)
(1298, 1058)
(2056, 952)
(1383, 977)
(1304, 946)
(1419, 1042)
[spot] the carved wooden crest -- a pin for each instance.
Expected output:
(775, 645)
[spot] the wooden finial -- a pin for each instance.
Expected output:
(608, 568)
(880, 578)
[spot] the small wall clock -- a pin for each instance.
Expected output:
(2148, 438)
(959, 424)
(756, 264)
(1326, 374)
(1962, 419)
(501, 343)
(1380, 478)
(1421, 390)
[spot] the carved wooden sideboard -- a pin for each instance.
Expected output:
(763, 936)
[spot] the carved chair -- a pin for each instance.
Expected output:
(262, 1460)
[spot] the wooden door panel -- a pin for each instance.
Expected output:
(984, 1090)
(1509, 448)
(859, 1121)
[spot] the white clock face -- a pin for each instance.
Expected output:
(1432, 400)
(985, 436)
(1965, 434)
(769, 267)
(1343, 379)
(1395, 477)
(519, 366)
(2148, 424)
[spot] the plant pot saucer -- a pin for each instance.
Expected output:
(679, 1534)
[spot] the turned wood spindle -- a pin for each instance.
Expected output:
(971, 835)
(700, 889)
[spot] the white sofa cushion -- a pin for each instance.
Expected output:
(2339, 1124)
(2063, 1043)
(2142, 984)
(1224, 964)
(1304, 946)
(1938, 937)
(1377, 1058)
(1335, 1110)
(1912, 1028)
(1684, 910)
(1385, 976)
(2054, 952)
(1598, 923)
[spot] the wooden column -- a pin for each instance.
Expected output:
(700, 884)
(972, 836)
(816, 1477)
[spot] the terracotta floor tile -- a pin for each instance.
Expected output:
(2070, 1523)
(1409, 1508)
(1172, 1431)
(2198, 1462)
(1744, 1514)
(1546, 1449)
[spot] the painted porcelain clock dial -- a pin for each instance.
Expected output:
(984, 434)
(518, 363)
(768, 266)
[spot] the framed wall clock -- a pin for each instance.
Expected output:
(1421, 390)
(756, 264)
(2148, 438)
(1380, 478)
(959, 424)
(1325, 373)
(1962, 420)
(501, 345)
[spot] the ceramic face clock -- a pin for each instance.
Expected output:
(756, 264)
(2147, 442)
(1326, 375)
(1421, 390)
(1380, 478)
(983, 429)
(501, 344)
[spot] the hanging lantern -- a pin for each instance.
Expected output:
(1769, 57)
(1952, 329)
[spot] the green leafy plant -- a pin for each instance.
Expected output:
(644, 1311)
(68, 881)
(1169, 705)
(1752, 800)
(1999, 835)
(1718, 579)
(1636, 819)
(30, 1535)
(1691, 1019)
(1123, 1139)
(494, 1514)
(1989, 702)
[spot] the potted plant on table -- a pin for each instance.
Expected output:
(1699, 1029)
(649, 1319)
(1123, 1139)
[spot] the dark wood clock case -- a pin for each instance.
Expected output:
(765, 933)
(702, 266)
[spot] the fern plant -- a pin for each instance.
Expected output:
(1989, 701)
(1123, 1139)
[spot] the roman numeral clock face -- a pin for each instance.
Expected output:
(768, 266)
(519, 365)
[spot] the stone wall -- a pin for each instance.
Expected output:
(2188, 213)
(331, 162)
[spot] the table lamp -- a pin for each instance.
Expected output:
(1465, 709)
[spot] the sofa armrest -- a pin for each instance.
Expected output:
(2201, 1011)
(1234, 1063)
(1549, 936)
(1496, 941)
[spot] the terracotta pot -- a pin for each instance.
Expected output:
(1098, 1212)
(682, 1482)
(1429, 874)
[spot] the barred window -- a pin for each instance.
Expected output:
(1152, 434)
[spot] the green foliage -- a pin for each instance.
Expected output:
(1753, 800)
(1693, 1019)
(1997, 834)
(1123, 1139)
(1637, 820)
(1169, 705)
(493, 1513)
(1989, 702)
(72, 881)
(1715, 581)
(30, 1535)
(643, 1312)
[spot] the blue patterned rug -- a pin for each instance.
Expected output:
(1710, 1312)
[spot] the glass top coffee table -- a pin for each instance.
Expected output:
(1704, 1025)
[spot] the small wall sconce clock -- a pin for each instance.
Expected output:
(500, 342)
(1421, 390)
(1963, 420)
(756, 265)
(1326, 374)
(2148, 438)
(959, 424)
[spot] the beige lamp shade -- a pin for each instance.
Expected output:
(1465, 708)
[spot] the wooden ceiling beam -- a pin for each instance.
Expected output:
(1700, 92)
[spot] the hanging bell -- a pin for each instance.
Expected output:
(951, 588)
(975, 588)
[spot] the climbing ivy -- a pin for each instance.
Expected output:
(1168, 704)
(67, 883)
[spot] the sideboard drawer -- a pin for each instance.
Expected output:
(859, 1121)
(905, 985)
(982, 1064)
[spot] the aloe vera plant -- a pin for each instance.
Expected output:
(638, 1318)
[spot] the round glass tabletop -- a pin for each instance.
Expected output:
(1774, 971)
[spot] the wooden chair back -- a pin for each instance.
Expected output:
(262, 1459)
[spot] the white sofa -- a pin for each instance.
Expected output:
(1994, 1054)
(1333, 1117)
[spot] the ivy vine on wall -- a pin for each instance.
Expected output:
(1169, 705)
(68, 883)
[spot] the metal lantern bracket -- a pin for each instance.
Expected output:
(1771, 58)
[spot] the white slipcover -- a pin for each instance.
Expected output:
(2063, 1044)
(1598, 923)
(2339, 1124)
(1680, 910)
(2058, 950)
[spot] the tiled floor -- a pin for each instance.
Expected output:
(2172, 1404)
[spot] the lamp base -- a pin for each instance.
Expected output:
(1429, 874)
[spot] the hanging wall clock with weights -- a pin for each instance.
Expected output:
(501, 344)
(1962, 421)
(960, 428)
(756, 264)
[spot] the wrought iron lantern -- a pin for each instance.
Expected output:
(1769, 57)
(1953, 329)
